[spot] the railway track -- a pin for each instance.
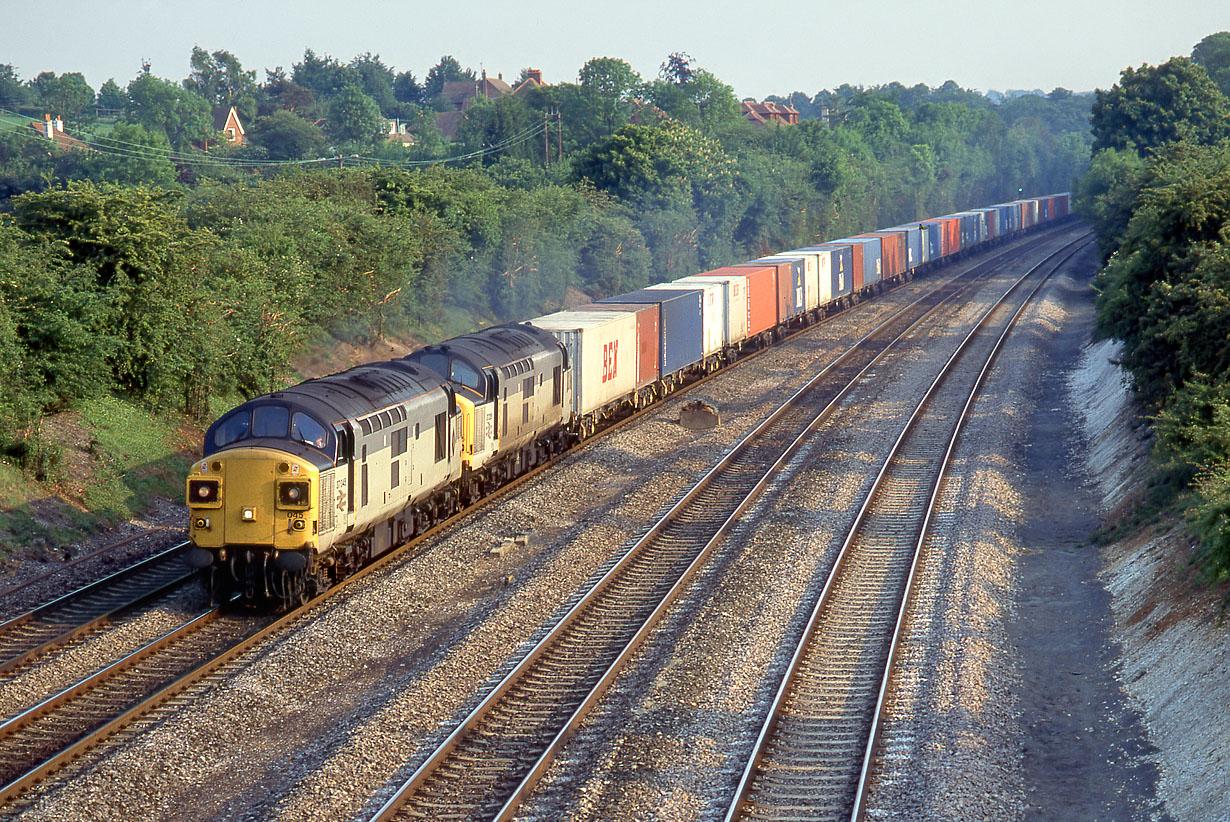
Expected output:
(490, 762)
(166, 671)
(29, 636)
(812, 757)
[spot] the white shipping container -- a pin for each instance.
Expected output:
(602, 349)
(712, 309)
(734, 298)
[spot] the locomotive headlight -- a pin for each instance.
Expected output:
(204, 493)
(293, 494)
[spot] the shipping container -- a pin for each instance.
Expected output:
(733, 302)
(789, 284)
(713, 313)
(680, 329)
(950, 234)
(647, 336)
(1029, 213)
(602, 348)
(991, 217)
(872, 265)
(893, 251)
(931, 239)
(1063, 204)
(844, 276)
(760, 285)
(914, 245)
(812, 276)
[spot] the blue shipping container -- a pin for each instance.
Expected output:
(872, 269)
(913, 245)
(680, 329)
(841, 269)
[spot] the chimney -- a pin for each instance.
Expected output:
(59, 125)
(535, 74)
(48, 128)
(500, 76)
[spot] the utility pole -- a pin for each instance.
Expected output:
(546, 138)
(559, 136)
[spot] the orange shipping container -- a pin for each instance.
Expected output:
(893, 252)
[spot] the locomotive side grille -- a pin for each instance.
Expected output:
(480, 428)
(328, 505)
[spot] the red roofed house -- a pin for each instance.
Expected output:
(226, 120)
(54, 130)
(767, 112)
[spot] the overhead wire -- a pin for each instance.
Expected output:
(122, 148)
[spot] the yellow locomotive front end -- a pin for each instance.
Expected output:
(254, 521)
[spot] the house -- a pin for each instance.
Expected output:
(226, 120)
(398, 131)
(768, 112)
(54, 130)
(462, 94)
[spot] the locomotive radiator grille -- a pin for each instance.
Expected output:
(328, 505)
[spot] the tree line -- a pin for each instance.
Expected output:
(188, 284)
(1158, 194)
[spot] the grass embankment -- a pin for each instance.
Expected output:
(109, 460)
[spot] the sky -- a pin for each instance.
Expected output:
(758, 48)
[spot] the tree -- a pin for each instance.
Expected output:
(677, 68)
(13, 93)
(287, 136)
(131, 155)
(284, 93)
(111, 96)
(500, 122)
(68, 95)
(608, 86)
(221, 79)
(162, 106)
(324, 76)
(353, 116)
(1213, 53)
(406, 89)
(377, 81)
(1153, 106)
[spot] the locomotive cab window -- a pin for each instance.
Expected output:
(270, 421)
(233, 428)
(304, 428)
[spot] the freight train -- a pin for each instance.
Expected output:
(299, 488)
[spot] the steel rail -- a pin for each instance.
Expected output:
(586, 603)
(58, 622)
(770, 726)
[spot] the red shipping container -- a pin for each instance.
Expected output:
(646, 336)
(893, 251)
(783, 280)
(762, 296)
(950, 232)
(856, 249)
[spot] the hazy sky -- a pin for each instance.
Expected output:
(759, 48)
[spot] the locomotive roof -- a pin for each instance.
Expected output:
(499, 345)
(359, 391)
